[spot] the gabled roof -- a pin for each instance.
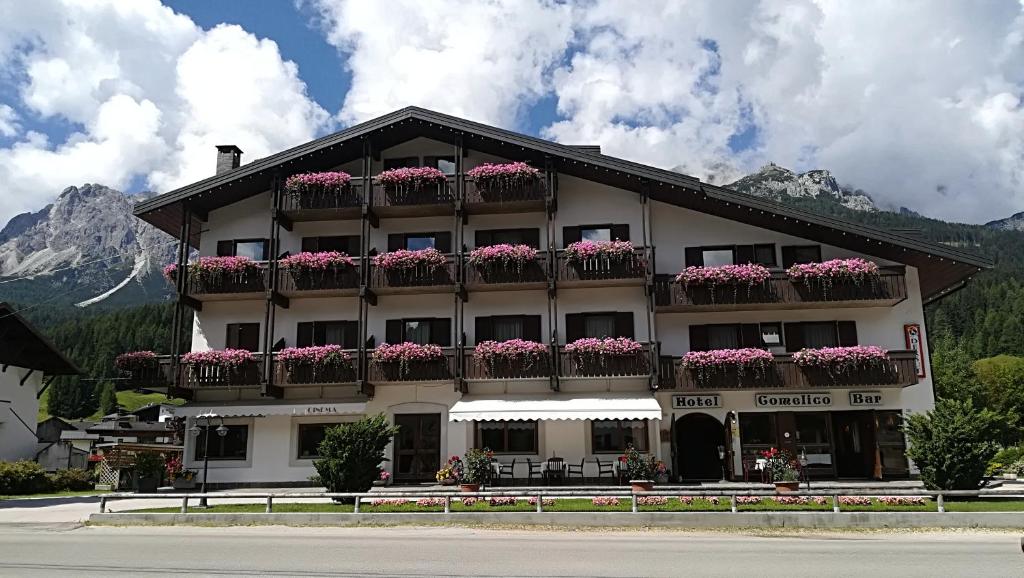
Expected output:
(942, 268)
(21, 345)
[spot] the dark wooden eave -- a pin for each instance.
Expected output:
(942, 268)
(21, 345)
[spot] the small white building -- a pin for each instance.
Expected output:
(28, 364)
(703, 429)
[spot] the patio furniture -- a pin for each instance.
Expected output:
(605, 469)
(554, 471)
(506, 470)
(533, 469)
(574, 470)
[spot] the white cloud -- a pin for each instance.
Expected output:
(148, 92)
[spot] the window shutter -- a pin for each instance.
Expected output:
(847, 333)
(694, 257)
(310, 244)
(441, 331)
(788, 257)
(351, 243)
(624, 324)
(531, 328)
(571, 235)
(319, 333)
(484, 329)
(794, 333)
(482, 238)
(393, 331)
(231, 341)
(396, 242)
(531, 237)
(350, 335)
(620, 232)
(575, 327)
(225, 248)
(698, 338)
(744, 254)
(750, 335)
(249, 336)
(443, 241)
(266, 250)
(304, 334)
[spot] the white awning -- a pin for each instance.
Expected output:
(265, 409)
(554, 407)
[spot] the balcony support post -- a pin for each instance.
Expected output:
(181, 291)
(273, 299)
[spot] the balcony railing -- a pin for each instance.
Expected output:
(901, 372)
(780, 293)
(414, 280)
(322, 206)
(638, 365)
(401, 200)
(309, 375)
(247, 375)
(602, 270)
(321, 284)
(475, 370)
(533, 275)
(157, 377)
(529, 196)
(250, 284)
(442, 370)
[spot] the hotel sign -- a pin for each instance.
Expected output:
(696, 401)
(862, 398)
(912, 334)
(784, 400)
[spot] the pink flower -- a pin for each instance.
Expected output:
(750, 274)
(170, 272)
(513, 350)
(605, 501)
(854, 501)
(509, 171)
(389, 502)
(414, 177)
(222, 358)
(134, 360)
(651, 501)
(504, 501)
(902, 500)
(317, 181)
(748, 500)
(321, 261)
(843, 358)
(616, 346)
(585, 250)
(319, 355)
(405, 259)
(504, 254)
(406, 353)
(728, 358)
(855, 269)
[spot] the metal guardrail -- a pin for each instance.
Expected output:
(541, 494)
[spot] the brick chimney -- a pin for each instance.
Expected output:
(228, 157)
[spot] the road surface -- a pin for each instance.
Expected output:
(57, 550)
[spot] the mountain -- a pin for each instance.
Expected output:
(85, 248)
(1014, 222)
(780, 184)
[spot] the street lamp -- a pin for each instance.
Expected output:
(721, 460)
(204, 423)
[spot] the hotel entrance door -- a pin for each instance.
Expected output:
(417, 446)
(854, 435)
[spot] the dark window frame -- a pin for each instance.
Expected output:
(751, 248)
(646, 437)
(431, 321)
(739, 328)
(317, 240)
(316, 324)
(788, 250)
(298, 437)
(234, 247)
(400, 162)
(217, 444)
(237, 335)
(535, 450)
(521, 231)
(432, 160)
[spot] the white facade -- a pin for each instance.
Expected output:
(19, 409)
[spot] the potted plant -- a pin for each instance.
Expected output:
(221, 367)
(782, 469)
(639, 468)
(407, 360)
(404, 268)
(146, 470)
(660, 472)
(383, 479)
(326, 190)
(709, 285)
(321, 270)
(317, 364)
(477, 469)
(506, 182)
(609, 356)
(181, 478)
(730, 367)
(414, 186)
(837, 278)
(504, 263)
(858, 364)
(139, 367)
(514, 358)
(451, 473)
(602, 259)
(221, 274)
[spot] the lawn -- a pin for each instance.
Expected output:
(55, 495)
(128, 400)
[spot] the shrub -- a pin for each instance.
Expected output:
(351, 453)
(1016, 467)
(1003, 459)
(780, 465)
(71, 480)
(23, 477)
(478, 466)
(637, 465)
(952, 444)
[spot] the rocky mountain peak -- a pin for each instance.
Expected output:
(776, 182)
(1014, 222)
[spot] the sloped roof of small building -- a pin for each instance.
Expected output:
(21, 345)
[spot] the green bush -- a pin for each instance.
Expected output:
(952, 444)
(478, 466)
(71, 480)
(351, 453)
(1006, 456)
(23, 477)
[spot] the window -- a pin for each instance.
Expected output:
(418, 242)
(599, 325)
(800, 254)
(488, 237)
(401, 162)
(418, 331)
(232, 446)
(310, 436)
(603, 232)
(757, 433)
(771, 334)
(611, 435)
(446, 164)
(243, 336)
(436, 331)
(505, 327)
(255, 249)
(440, 240)
(507, 437)
(724, 336)
(348, 244)
(343, 333)
(820, 334)
(596, 233)
(735, 335)
(765, 255)
(716, 256)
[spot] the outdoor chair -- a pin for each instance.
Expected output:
(507, 471)
(554, 471)
(605, 469)
(534, 469)
(574, 470)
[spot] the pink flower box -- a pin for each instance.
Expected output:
(317, 364)
(320, 261)
(608, 356)
(729, 367)
(867, 363)
(504, 256)
(410, 361)
(709, 284)
(414, 186)
(404, 268)
(506, 182)
(136, 360)
(581, 251)
(512, 358)
(221, 274)
(227, 367)
(839, 276)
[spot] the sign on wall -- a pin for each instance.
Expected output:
(321, 410)
(865, 398)
(912, 333)
(696, 401)
(784, 400)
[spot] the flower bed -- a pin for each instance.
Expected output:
(221, 367)
(690, 500)
(402, 361)
(505, 182)
(652, 501)
(512, 358)
(830, 276)
(317, 364)
(608, 356)
(411, 268)
(866, 363)
(729, 367)
(413, 185)
(902, 500)
(326, 190)
(724, 283)
(604, 502)
(854, 501)
(502, 263)
(321, 270)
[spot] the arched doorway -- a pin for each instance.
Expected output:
(698, 436)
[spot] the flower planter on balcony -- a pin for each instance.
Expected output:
(591, 260)
(512, 359)
(607, 357)
(328, 190)
(510, 182)
(318, 375)
(838, 366)
(504, 263)
(414, 186)
(321, 271)
(726, 284)
(837, 279)
(139, 369)
(229, 367)
(317, 365)
(731, 368)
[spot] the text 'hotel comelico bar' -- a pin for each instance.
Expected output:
(617, 304)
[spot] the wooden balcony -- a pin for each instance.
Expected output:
(638, 365)
(309, 376)
(476, 371)
(324, 206)
(344, 283)
(231, 287)
(780, 293)
(416, 280)
(445, 370)
(902, 372)
(196, 377)
(528, 198)
(601, 272)
(155, 378)
(533, 276)
(400, 201)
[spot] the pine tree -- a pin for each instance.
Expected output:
(108, 399)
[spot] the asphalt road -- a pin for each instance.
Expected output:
(414, 552)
